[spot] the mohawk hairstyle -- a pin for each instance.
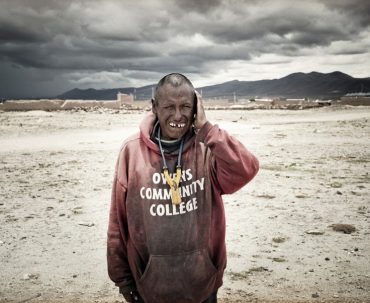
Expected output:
(175, 80)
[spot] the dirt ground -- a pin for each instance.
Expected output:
(56, 174)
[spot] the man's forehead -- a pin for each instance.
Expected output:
(168, 89)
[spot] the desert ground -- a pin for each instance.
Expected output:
(284, 244)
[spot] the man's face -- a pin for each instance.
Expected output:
(174, 110)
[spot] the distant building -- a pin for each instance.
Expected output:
(366, 94)
(124, 98)
(263, 100)
(296, 100)
(356, 99)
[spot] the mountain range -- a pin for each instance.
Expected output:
(296, 85)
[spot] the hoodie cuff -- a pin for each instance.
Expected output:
(132, 297)
(203, 131)
(126, 290)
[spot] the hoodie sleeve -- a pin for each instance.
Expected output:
(118, 267)
(232, 165)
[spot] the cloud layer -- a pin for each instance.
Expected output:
(48, 47)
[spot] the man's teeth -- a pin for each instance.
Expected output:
(178, 125)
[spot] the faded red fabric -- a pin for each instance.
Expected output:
(173, 253)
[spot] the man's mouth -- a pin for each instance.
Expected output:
(177, 125)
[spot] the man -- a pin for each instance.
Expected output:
(166, 234)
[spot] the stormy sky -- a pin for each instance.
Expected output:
(48, 47)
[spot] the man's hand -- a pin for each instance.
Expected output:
(200, 118)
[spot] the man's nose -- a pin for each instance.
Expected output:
(177, 114)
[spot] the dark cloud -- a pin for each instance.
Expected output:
(356, 11)
(202, 6)
(17, 33)
(300, 26)
(19, 82)
(114, 42)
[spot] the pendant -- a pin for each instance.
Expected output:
(174, 185)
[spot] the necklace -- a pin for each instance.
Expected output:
(173, 183)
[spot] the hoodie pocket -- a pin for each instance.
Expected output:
(188, 277)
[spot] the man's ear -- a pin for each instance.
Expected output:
(154, 106)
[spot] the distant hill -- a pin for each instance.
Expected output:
(297, 85)
(141, 93)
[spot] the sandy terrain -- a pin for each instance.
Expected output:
(56, 175)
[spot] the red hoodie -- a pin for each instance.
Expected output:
(173, 253)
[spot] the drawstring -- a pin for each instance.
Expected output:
(162, 151)
(173, 183)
